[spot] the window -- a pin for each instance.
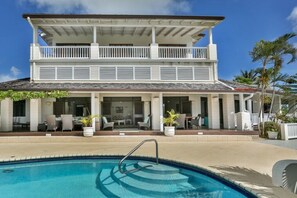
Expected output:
(47, 73)
(19, 108)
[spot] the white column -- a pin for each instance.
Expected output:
(213, 111)
(249, 105)
(146, 109)
(94, 49)
(153, 35)
(210, 35)
(94, 34)
(35, 35)
(97, 111)
(155, 111)
(93, 108)
(241, 103)
(161, 111)
(35, 116)
(7, 115)
(229, 111)
(196, 106)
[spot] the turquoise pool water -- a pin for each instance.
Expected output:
(99, 177)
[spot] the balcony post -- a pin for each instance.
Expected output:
(210, 35)
(94, 49)
(154, 45)
(153, 35)
(94, 34)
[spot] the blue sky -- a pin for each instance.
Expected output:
(246, 23)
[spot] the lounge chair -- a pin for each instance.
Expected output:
(107, 124)
(51, 123)
(181, 121)
(146, 124)
(67, 122)
(195, 122)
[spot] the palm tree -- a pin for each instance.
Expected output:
(247, 76)
(272, 53)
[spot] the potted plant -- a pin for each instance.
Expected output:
(87, 125)
(169, 123)
(271, 130)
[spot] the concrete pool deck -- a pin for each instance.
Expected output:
(243, 159)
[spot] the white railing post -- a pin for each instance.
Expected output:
(154, 50)
(94, 51)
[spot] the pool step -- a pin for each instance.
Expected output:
(110, 188)
(156, 180)
(156, 169)
(155, 177)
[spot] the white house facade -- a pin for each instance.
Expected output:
(126, 67)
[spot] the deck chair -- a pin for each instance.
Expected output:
(51, 123)
(146, 124)
(107, 124)
(181, 121)
(67, 122)
(195, 122)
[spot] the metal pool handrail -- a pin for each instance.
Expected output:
(133, 150)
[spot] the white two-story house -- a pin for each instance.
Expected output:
(125, 67)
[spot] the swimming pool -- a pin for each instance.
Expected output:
(99, 177)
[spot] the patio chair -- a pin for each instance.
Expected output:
(67, 122)
(195, 122)
(181, 121)
(107, 124)
(51, 123)
(146, 124)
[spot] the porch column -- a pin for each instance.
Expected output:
(93, 108)
(213, 111)
(155, 111)
(196, 106)
(229, 111)
(35, 114)
(146, 108)
(161, 112)
(35, 35)
(249, 105)
(241, 103)
(7, 115)
(97, 112)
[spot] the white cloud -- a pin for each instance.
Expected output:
(113, 6)
(12, 75)
(293, 18)
(14, 71)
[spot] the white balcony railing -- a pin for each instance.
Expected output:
(51, 52)
(183, 52)
(118, 52)
(124, 52)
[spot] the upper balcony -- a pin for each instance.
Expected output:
(138, 37)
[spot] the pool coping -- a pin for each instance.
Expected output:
(217, 176)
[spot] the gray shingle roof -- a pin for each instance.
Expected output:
(26, 85)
